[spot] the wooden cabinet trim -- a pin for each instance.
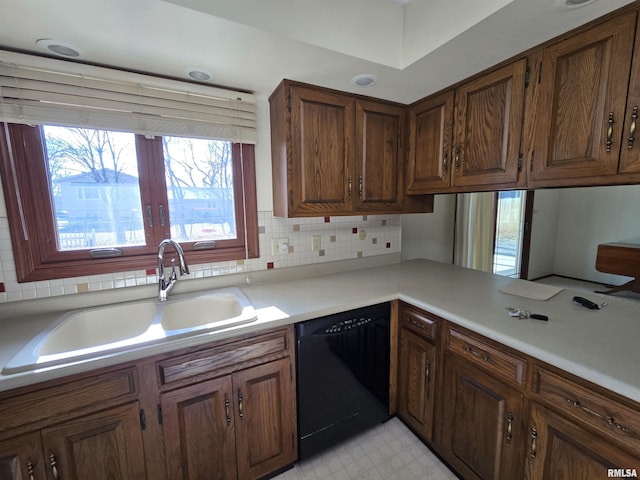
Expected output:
(609, 418)
(73, 397)
(420, 322)
(489, 356)
(221, 360)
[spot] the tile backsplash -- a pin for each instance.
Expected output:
(340, 238)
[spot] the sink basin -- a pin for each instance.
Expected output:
(214, 311)
(85, 334)
(98, 326)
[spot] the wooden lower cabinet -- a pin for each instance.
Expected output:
(21, 458)
(199, 434)
(416, 382)
(559, 448)
(483, 434)
(106, 445)
(237, 426)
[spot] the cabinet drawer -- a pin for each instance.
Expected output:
(418, 321)
(221, 360)
(605, 415)
(72, 396)
(501, 363)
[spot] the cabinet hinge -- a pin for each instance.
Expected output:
(159, 414)
(540, 73)
(520, 163)
(289, 103)
(532, 155)
(527, 77)
(143, 420)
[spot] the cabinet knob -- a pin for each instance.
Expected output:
(458, 150)
(30, 470)
(54, 467)
(533, 453)
(445, 160)
(350, 184)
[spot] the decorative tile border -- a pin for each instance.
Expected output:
(341, 238)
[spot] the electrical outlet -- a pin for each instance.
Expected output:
(280, 246)
(315, 243)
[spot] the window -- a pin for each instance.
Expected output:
(86, 201)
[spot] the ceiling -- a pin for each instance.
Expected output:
(414, 47)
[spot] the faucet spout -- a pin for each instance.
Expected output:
(166, 285)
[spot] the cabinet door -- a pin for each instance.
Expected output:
(560, 449)
(483, 433)
(199, 432)
(416, 382)
(265, 418)
(430, 153)
(21, 458)
(581, 103)
(488, 128)
(322, 132)
(379, 153)
(630, 154)
(105, 445)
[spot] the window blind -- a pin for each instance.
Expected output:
(44, 91)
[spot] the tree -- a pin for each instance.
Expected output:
(103, 156)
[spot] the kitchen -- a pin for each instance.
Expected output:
(396, 236)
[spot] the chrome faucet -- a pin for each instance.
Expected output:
(166, 285)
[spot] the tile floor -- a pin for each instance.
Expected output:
(389, 451)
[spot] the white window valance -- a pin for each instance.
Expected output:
(45, 91)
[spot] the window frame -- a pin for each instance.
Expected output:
(32, 220)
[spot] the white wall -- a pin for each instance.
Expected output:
(430, 235)
(543, 233)
(584, 218)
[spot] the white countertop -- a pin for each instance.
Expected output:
(597, 345)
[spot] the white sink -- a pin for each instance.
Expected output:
(84, 334)
(215, 311)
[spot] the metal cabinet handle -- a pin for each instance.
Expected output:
(30, 470)
(458, 150)
(509, 428)
(54, 467)
(608, 420)
(632, 128)
(240, 405)
(427, 374)
(445, 159)
(413, 322)
(350, 183)
(227, 409)
(149, 215)
(534, 448)
(360, 186)
(470, 350)
(609, 133)
(163, 215)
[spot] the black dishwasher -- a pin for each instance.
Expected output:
(343, 376)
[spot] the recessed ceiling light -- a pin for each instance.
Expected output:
(198, 74)
(58, 47)
(364, 80)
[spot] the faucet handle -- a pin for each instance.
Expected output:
(173, 268)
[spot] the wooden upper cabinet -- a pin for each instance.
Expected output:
(379, 151)
(469, 138)
(322, 144)
(488, 128)
(580, 106)
(430, 137)
(335, 153)
(630, 150)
